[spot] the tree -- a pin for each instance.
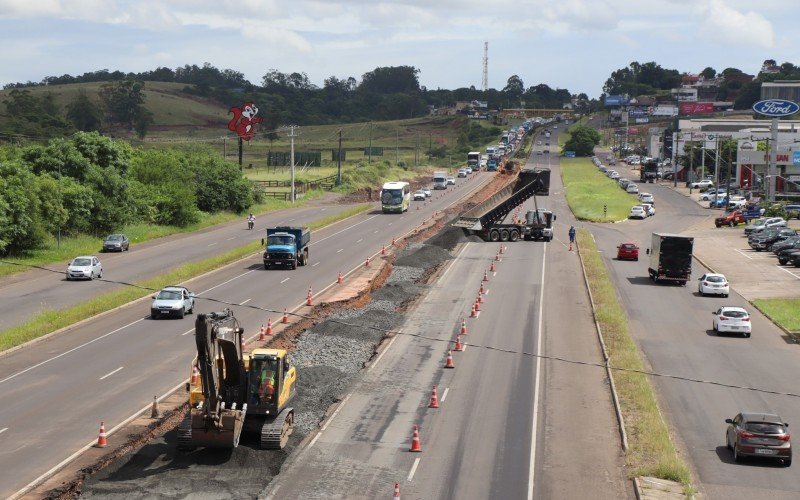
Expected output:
(391, 80)
(514, 88)
(582, 140)
(124, 101)
(84, 114)
(708, 73)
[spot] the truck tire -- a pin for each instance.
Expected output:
(513, 235)
(504, 235)
(494, 235)
(293, 265)
(266, 266)
(305, 257)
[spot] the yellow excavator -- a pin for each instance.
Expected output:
(232, 391)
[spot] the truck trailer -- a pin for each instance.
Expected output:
(286, 246)
(670, 258)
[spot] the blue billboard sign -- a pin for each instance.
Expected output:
(615, 100)
(776, 107)
(795, 157)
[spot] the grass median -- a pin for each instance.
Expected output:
(784, 312)
(651, 451)
(588, 190)
(49, 321)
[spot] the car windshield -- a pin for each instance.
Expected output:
(734, 314)
(760, 222)
(628, 246)
(82, 262)
(114, 237)
(765, 428)
(280, 240)
(169, 295)
(715, 279)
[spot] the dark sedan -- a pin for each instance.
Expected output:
(759, 435)
(116, 243)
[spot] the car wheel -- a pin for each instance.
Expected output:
(718, 225)
(725, 295)
(747, 335)
(713, 327)
(191, 309)
(494, 235)
(730, 223)
(736, 456)
(782, 262)
(182, 313)
(728, 442)
(787, 462)
(100, 276)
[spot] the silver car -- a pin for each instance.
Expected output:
(85, 267)
(172, 301)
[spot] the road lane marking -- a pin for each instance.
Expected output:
(3, 430)
(285, 280)
(413, 469)
(444, 394)
(290, 220)
(110, 373)
(225, 282)
(322, 209)
(69, 351)
(391, 223)
(375, 231)
(360, 240)
(231, 238)
(212, 244)
(744, 254)
(333, 415)
(337, 251)
(391, 341)
(316, 242)
(315, 264)
(786, 270)
(245, 302)
(187, 332)
(538, 379)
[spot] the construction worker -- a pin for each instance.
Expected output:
(266, 385)
(571, 235)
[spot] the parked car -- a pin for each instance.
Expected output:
(731, 218)
(713, 284)
(786, 255)
(85, 267)
(649, 208)
(761, 224)
(172, 301)
(116, 243)
(705, 183)
(759, 435)
(788, 242)
(632, 188)
(637, 212)
(765, 239)
(627, 251)
(603, 169)
(792, 211)
(419, 195)
(731, 319)
(668, 176)
(614, 175)
(794, 259)
(451, 181)
(647, 198)
(623, 183)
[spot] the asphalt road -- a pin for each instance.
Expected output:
(111, 367)
(510, 425)
(25, 295)
(672, 326)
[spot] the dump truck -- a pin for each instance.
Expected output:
(670, 258)
(648, 171)
(487, 219)
(440, 180)
(286, 246)
(231, 392)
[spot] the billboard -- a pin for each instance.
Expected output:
(615, 100)
(643, 119)
(696, 108)
(665, 110)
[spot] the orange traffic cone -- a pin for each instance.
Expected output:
(479, 298)
(491, 268)
(570, 246)
(501, 248)
(393, 241)
(339, 278)
(309, 297)
(434, 399)
(415, 445)
(366, 263)
(477, 304)
(463, 326)
(102, 441)
(497, 257)
(269, 326)
(482, 291)
(195, 376)
(383, 249)
(396, 491)
(262, 334)
(459, 347)
(449, 361)
(474, 313)
(485, 277)
(285, 318)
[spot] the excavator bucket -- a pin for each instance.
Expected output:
(222, 434)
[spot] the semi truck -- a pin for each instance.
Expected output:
(670, 258)
(286, 246)
(487, 219)
(648, 171)
(440, 180)
(474, 160)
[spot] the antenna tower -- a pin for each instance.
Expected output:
(485, 81)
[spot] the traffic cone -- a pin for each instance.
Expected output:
(285, 318)
(195, 376)
(154, 413)
(570, 246)
(463, 326)
(339, 278)
(479, 298)
(415, 445)
(497, 257)
(396, 491)
(501, 248)
(485, 277)
(383, 250)
(309, 297)
(458, 346)
(491, 268)
(477, 304)
(434, 399)
(262, 334)
(474, 313)
(102, 441)
(393, 241)
(449, 361)
(269, 326)
(366, 263)
(482, 291)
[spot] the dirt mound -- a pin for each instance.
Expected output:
(450, 236)
(427, 256)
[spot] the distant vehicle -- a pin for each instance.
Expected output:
(172, 301)
(705, 183)
(649, 209)
(637, 212)
(792, 211)
(649, 171)
(116, 243)
(84, 267)
(647, 198)
(731, 319)
(427, 191)
(632, 189)
(762, 224)
(623, 183)
(603, 169)
(627, 251)
(670, 257)
(538, 143)
(491, 165)
(469, 170)
(439, 180)
(462, 172)
(731, 218)
(286, 246)
(713, 284)
(546, 151)
(451, 181)
(395, 197)
(614, 175)
(759, 435)
(474, 160)
(419, 195)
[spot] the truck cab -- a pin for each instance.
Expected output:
(439, 180)
(286, 246)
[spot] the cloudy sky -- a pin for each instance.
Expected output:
(572, 44)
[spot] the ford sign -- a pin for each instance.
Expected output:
(776, 107)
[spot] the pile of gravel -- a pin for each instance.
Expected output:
(405, 273)
(450, 236)
(426, 257)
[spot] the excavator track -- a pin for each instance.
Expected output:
(185, 433)
(275, 434)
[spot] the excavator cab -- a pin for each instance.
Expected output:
(271, 380)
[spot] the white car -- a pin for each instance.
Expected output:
(649, 208)
(646, 198)
(713, 284)
(632, 188)
(731, 319)
(451, 181)
(705, 183)
(427, 191)
(419, 195)
(462, 172)
(85, 267)
(637, 212)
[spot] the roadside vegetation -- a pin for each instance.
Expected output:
(651, 451)
(588, 190)
(52, 320)
(784, 312)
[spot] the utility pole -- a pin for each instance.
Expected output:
(690, 177)
(369, 161)
(339, 163)
(728, 189)
(292, 135)
(716, 166)
(773, 161)
(674, 159)
(224, 148)
(241, 145)
(397, 147)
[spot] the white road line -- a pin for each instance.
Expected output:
(225, 282)
(71, 350)
(322, 209)
(360, 240)
(187, 332)
(337, 251)
(463, 347)
(316, 242)
(3, 430)
(285, 280)
(231, 238)
(390, 223)
(413, 469)
(333, 415)
(444, 394)
(375, 231)
(786, 270)
(245, 302)
(315, 264)
(212, 244)
(391, 341)
(537, 381)
(290, 220)
(110, 373)
(744, 254)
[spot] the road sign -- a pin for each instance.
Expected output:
(776, 107)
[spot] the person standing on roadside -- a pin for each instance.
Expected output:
(571, 235)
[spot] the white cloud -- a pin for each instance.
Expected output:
(728, 26)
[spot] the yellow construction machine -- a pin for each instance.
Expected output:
(232, 391)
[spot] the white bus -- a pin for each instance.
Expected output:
(396, 197)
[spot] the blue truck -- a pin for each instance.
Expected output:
(491, 164)
(286, 246)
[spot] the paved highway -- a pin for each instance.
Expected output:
(672, 325)
(509, 425)
(110, 367)
(24, 295)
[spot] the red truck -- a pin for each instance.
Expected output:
(732, 218)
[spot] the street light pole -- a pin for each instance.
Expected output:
(292, 135)
(339, 162)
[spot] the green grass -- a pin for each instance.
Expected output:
(651, 451)
(588, 190)
(52, 320)
(785, 312)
